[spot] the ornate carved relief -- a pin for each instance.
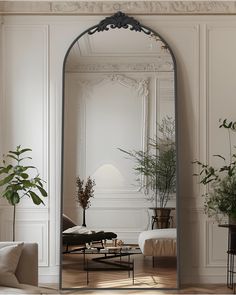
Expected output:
(109, 7)
(140, 86)
(162, 65)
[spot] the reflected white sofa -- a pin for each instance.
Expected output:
(158, 242)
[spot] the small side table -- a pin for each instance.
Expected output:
(231, 252)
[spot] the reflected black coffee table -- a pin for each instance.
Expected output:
(110, 259)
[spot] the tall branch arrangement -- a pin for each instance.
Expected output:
(157, 164)
(220, 181)
(85, 191)
(17, 180)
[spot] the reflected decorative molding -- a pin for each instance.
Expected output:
(139, 85)
(109, 7)
(160, 65)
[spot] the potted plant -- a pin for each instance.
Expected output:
(156, 169)
(85, 191)
(17, 180)
(220, 200)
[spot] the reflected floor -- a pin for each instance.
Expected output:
(163, 275)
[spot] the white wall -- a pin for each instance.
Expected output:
(33, 52)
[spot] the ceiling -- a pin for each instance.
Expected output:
(116, 45)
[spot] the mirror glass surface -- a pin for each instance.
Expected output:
(119, 130)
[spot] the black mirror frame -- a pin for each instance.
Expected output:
(122, 21)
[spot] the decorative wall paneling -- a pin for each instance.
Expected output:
(31, 226)
(1, 89)
(25, 52)
(204, 49)
(25, 122)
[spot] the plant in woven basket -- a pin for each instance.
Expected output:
(17, 180)
(85, 192)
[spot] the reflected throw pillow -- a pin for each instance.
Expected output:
(78, 229)
(9, 258)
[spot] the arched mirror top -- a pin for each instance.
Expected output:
(122, 21)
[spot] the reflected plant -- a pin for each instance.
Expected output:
(85, 192)
(157, 164)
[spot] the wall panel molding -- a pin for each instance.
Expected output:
(213, 238)
(34, 231)
(27, 31)
(108, 7)
(31, 226)
(141, 88)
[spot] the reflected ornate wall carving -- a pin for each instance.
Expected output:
(162, 65)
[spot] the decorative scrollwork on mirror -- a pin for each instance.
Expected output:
(119, 20)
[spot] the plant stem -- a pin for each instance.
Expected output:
(230, 147)
(156, 175)
(14, 222)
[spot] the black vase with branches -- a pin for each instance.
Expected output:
(85, 192)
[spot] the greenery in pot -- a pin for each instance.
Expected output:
(85, 191)
(157, 165)
(220, 200)
(17, 181)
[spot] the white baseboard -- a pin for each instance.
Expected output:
(203, 279)
(49, 275)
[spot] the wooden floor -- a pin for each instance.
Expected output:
(163, 275)
(200, 289)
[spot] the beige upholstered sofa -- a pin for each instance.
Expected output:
(26, 272)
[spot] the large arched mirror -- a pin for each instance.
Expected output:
(119, 188)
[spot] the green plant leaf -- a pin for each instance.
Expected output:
(24, 175)
(6, 179)
(39, 181)
(14, 153)
(219, 156)
(5, 169)
(15, 199)
(25, 150)
(29, 167)
(8, 195)
(22, 159)
(42, 191)
(36, 199)
(13, 157)
(26, 183)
